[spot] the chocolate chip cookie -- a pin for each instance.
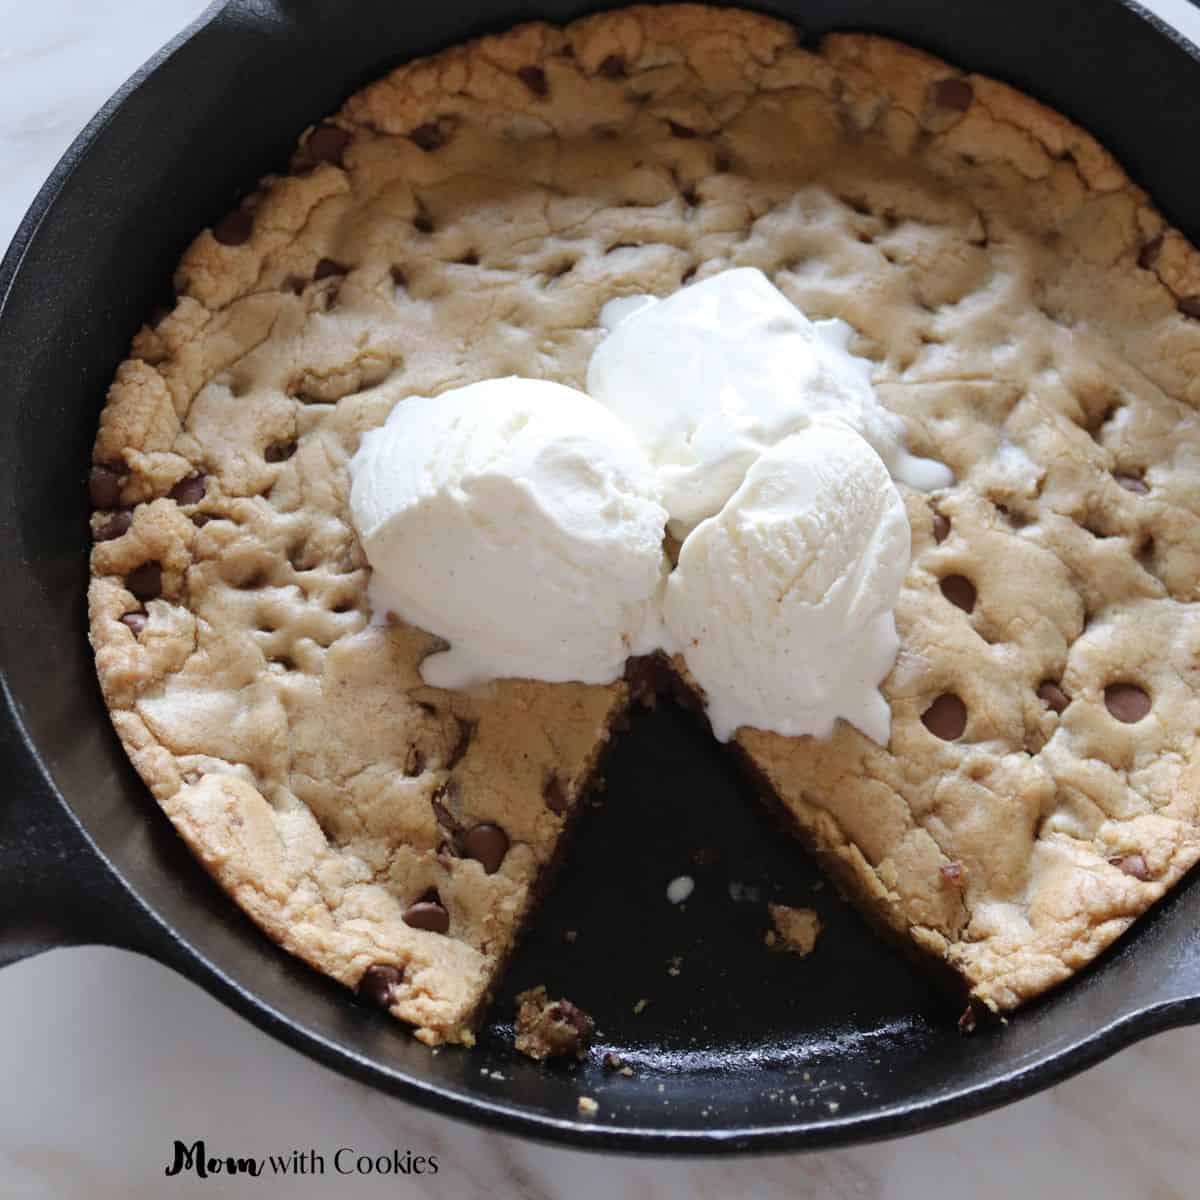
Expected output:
(1027, 310)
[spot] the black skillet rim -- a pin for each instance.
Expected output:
(895, 1120)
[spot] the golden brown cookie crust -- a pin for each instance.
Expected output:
(466, 217)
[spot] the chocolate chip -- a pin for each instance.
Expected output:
(946, 717)
(444, 817)
(1052, 696)
(488, 844)
(466, 731)
(327, 267)
(953, 93)
(1189, 306)
(104, 487)
(327, 143)
(681, 131)
(555, 795)
(428, 136)
(234, 229)
(1148, 254)
(613, 67)
(278, 452)
(941, 527)
(146, 581)
(960, 591)
(1127, 702)
(200, 520)
(690, 197)
(190, 490)
(534, 78)
(398, 277)
(378, 982)
(952, 872)
(1131, 864)
(422, 224)
(136, 621)
(1132, 483)
(116, 525)
(429, 915)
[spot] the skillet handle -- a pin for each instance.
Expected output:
(55, 888)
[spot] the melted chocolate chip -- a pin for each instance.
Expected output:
(444, 817)
(960, 591)
(681, 131)
(326, 268)
(116, 525)
(428, 137)
(466, 731)
(1189, 306)
(145, 582)
(487, 844)
(613, 67)
(1127, 702)
(104, 487)
(941, 527)
(428, 915)
(278, 452)
(235, 228)
(1052, 696)
(1131, 864)
(190, 490)
(1148, 254)
(555, 795)
(1133, 483)
(327, 143)
(378, 982)
(953, 93)
(136, 621)
(534, 78)
(946, 717)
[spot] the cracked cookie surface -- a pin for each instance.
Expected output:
(466, 217)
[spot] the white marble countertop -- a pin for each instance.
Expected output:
(108, 1057)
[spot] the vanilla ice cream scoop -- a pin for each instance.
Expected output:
(520, 521)
(782, 604)
(720, 371)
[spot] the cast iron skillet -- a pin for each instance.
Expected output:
(742, 1049)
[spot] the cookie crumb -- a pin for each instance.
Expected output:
(680, 888)
(674, 964)
(797, 929)
(640, 1006)
(612, 1061)
(571, 936)
(548, 1028)
(627, 1072)
(588, 1107)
